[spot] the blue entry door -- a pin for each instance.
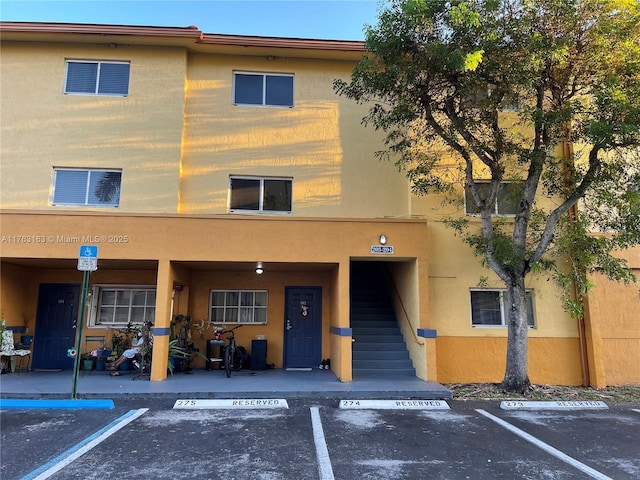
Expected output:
(303, 327)
(55, 326)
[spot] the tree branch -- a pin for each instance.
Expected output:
(547, 235)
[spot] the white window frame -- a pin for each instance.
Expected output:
(503, 316)
(86, 202)
(240, 312)
(496, 206)
(264, 76)
(95, 304)
(261, 209)
(96, 90)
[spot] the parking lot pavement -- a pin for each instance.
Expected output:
(607, 441)
(33, 437)
(319, 440)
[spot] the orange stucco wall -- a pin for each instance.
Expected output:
(201, 253)
(202, 282)
(140, 133)
(613, 328)
(551, 360)
(20, 286)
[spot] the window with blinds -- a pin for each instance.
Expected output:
(266, 89)
(97, 78)
(488, 308)
(89, 187)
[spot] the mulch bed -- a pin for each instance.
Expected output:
(492, 391)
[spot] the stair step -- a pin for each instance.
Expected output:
(361, 346)
(373, 315)
(384, 372)
(358, 324)
(358, 294)
(380, 355)
(368, 294)
(378, 338)
(371, 305)
(382, 364)
(392, 332)
(377, 325)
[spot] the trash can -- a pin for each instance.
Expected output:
(258, 354)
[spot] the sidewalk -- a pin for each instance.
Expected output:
(275, 383)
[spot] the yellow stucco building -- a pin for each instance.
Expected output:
(192, 159)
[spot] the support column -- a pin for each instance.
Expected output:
(341, 334)
(162, 327)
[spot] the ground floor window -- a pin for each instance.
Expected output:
(238, 306)
(488, 308)
(121, 305)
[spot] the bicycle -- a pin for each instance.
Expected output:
(232, 358)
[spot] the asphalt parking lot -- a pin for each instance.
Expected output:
(319, 440)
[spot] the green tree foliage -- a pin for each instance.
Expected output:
(439, 75)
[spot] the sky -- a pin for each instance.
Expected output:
(318, 19)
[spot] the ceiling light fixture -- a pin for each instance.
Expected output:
(259, 269)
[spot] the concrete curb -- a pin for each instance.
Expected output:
(58, 404)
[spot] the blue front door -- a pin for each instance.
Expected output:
(303, 327)
(55, 326)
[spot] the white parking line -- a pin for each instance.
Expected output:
(636, 410)
(322, 452)
(546, 447)
(64, 459)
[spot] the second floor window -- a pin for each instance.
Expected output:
(506, 203)
(97, 78)
(260, 194)
(263, 89)
(88, 187)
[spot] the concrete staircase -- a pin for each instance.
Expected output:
(379, 348)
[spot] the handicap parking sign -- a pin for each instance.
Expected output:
(88, 258)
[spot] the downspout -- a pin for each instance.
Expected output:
(567, 150)
(582, 336)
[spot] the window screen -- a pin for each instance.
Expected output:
(260, 194)
(86, 187)
(263, 89)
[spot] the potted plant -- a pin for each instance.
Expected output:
(178, 354)
(120, 340)
(87, 361)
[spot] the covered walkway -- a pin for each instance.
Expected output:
(276, 383)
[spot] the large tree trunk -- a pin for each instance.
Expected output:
(516, 378)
